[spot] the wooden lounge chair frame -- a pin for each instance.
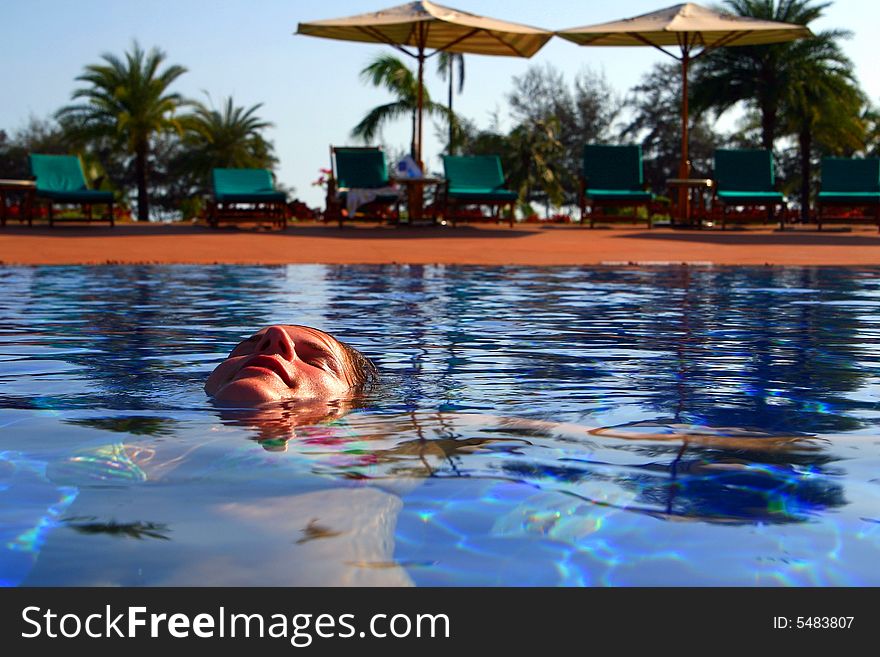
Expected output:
(612, 176)
(64, 182)
(849, 183)
(475, 180)
(246, 195)
(754, 188)
(341, 182)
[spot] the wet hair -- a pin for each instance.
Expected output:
(363, 372)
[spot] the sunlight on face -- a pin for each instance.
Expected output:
(283, 362)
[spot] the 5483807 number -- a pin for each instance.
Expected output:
(824, 622)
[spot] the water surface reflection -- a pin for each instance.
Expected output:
(736, 410)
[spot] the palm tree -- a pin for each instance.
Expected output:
(535, 153)
(822, 107)
(128, 102)
(227, 138)
(761, 76)
(389, 72)
(447, 62)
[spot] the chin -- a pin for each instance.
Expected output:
(249, 391)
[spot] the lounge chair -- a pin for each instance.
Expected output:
(246, 195)
(60, 179)
(744, 178)
(612, 177)
(360, 184)
(475, 180)
(848, 183)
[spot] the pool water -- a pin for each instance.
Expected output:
(535, 426)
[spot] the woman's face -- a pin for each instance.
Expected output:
(282, 362)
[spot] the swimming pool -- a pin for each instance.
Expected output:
(537, 426)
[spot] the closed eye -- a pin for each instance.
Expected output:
(317, 356)
(323, 362)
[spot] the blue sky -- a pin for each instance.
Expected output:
(309, 87)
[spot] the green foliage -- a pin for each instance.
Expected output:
(871, 121)
(586, 112)
(448, 64)
(389, 72)
(129, 120)
(823, 109)
(803, 88)
(761, 76)
(125, 104)
(231, 137)
(38, 136)
(542, 153)
(534, 157)
(655, 106)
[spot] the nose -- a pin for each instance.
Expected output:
(276, 341)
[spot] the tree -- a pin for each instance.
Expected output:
(655, 104)
(127, 102)
(822, 108)
(38, 136)
(871, 121)
(534, 160)
(761, 76)
(389, 72)
(574, 116)
(447, 62)
(227, 138)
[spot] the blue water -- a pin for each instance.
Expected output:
(536, 426)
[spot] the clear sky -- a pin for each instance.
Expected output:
(309, 87)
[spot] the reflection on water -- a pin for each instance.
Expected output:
(139, 530)
(535, 426)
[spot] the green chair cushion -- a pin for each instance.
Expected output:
(244, 185)
(80, 196)
(854, 198)
(635, 195)
(57, 173)
(613, 167)
(749, 197)
(254, 197)
(476, 173)
(744, 171)
(850, 176)
(362, 168)
(484, 194)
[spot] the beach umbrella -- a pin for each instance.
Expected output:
(695, 30)
(418, 27)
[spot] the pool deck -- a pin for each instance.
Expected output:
(479, 244)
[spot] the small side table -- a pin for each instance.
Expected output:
(694, 199)
(415, 197)
(26, 189)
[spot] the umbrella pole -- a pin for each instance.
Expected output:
(684, 166)
(420, 103)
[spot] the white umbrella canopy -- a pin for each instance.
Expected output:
(692, 28)
(425, 26)
(686, 25)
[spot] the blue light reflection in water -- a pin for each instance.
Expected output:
(738, 410)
